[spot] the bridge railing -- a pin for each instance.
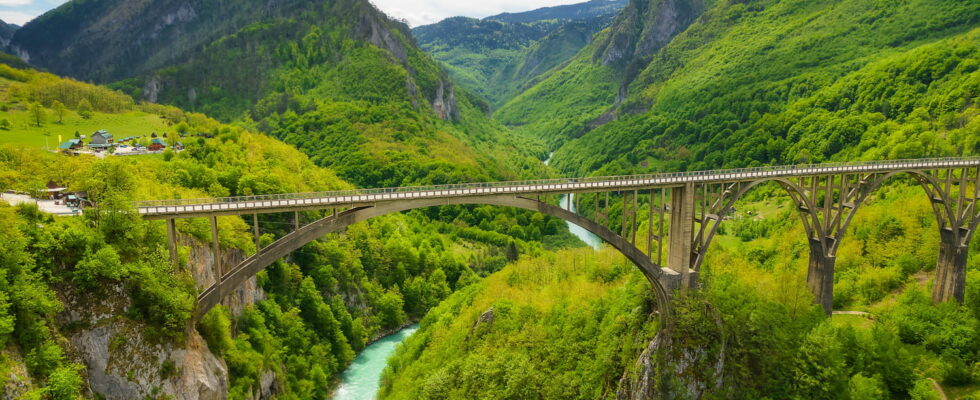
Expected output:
(774, 171)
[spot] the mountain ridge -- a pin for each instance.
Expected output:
(499, 56)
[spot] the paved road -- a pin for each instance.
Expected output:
(47, 206)
(244, 205)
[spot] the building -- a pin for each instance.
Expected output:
(73, 144)
(54, 190)
(101, 140)
(179, 146)
(157, 144)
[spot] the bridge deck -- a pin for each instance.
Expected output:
(188, 208)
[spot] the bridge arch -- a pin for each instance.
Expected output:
(825, 238)
(737, 192)
(230, 281)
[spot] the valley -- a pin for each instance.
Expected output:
(538, 239)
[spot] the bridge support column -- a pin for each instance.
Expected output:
(820, 276)
(681, 232)
(172, 240)
(255, 232)
(216, 249)
(950, 283)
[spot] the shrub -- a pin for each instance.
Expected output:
(65, 383)
(103, 264)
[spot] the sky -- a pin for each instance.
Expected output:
(416, 12)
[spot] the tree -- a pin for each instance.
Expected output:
(59, 110)
(5, 124)
(821, 371)
(85, 109)
(38, 116)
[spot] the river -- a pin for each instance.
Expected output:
(567, 201)
(362, 378)
(580, 232)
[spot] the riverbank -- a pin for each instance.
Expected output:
(361, 379)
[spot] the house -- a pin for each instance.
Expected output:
(179, 146)
(101, 140)
(157, 144)
(73, 144)
(53, 190)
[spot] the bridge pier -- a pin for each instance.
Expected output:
(216, 248)
(172, 240)
(820, 276)
(682, 204)
(950, 283)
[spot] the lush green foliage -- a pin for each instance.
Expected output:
(563, 325)
(764, 82)
(499, 59)
(775, 344)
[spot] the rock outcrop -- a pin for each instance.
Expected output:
(16, 381)
(643, 28)
(124, 361)
(681, 362)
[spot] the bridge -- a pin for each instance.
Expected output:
(685, 212)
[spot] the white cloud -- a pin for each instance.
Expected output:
(16, 17)
(422, 12)
(416, 12)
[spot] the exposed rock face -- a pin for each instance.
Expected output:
(16, 381)
(6, 33)
(682, 362)
(485, 318)
(123, 362)
(644, 27)
(203, 270)
(444, 104)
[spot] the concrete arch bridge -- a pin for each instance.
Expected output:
(827, 197)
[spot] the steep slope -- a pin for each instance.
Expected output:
(499, 56)
(338, 79)
(6, 33)
(569, 101)
(721, 92)
(94, 302)
(581, 11)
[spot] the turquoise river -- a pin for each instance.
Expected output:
(361, 380)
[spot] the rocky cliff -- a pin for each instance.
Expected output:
(6, 33)
(125, 360)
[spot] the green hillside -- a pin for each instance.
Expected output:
(734, 87)
(322, 305)
(339, 80)
(572, 324)
(500, 56)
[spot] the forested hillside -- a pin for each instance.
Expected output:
(6, 33)
(499, 56)
(321, 305)
(339, 80)
(579, 324)
(683, 85)
(764, 82)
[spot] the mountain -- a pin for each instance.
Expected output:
(499, 56)
(681, 84)
(588, 10)
(339, 80)
(6, 33)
